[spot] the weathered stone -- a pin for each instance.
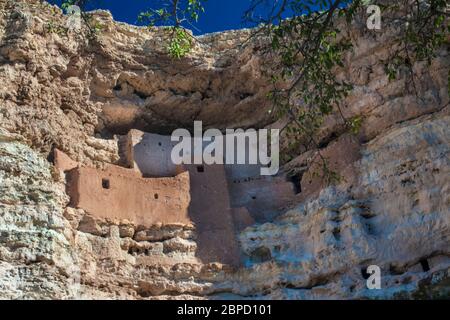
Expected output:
(179, 244)
(391, 209)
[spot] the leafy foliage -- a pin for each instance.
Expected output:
(308, 50)
(180, 43)
(176, 14)
(424, 28)
(67, 3)
(93, 26)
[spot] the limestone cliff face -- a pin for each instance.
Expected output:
(392, 209)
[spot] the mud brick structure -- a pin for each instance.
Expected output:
(148, 154)
(119, 193)
(262, 196)
(210, 206)
(147, 189)
(390, 208)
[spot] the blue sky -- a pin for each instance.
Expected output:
(220, 14)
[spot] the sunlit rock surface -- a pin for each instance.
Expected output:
(391, 209)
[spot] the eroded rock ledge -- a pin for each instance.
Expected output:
(58, 91)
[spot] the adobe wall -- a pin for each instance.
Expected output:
(211, 212)
(209, 208)
(263, 196)
(149, 154)
(119, 193)
(62, 161)
(218, 199)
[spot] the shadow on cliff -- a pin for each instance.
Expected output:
(210, 211)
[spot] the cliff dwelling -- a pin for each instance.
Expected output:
(92, 206)
(146, 188)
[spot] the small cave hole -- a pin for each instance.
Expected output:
(156, 196)
(51, 155)
(245, 95)
(326, 141)
(337, 234)
(160, 144)
(365, 274)
(254, 197)
(117, 87)
(425, 265)
(141, 95)
(201, 169)
(106, 184)
(296, 180)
